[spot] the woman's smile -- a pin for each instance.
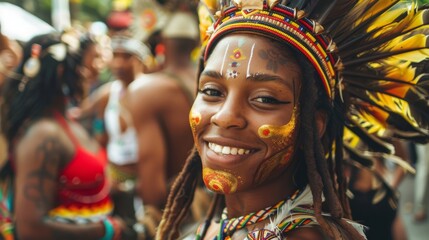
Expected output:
(225, 153)
(227, 150)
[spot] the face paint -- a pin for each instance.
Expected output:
(267, 167)
(282, 139)
(237, 55)
(241, 42)
(231, 73)
(194, 120)
(234, 64)
(250, 60)
(280, 136)
(219, 181)
(224, 58)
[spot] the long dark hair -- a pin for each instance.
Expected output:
(29, 98)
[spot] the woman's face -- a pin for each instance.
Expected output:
(91, 63)
(244, 118)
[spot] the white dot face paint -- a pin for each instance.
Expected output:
(237, 59)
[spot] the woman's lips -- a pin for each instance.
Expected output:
(225, 154)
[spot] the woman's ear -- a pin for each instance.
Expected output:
(321, 119)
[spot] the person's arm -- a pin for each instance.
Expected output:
(94, 106)
(152, 180)
(94, 103)
(39, 156)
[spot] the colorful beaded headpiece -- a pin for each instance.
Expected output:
(284, 24)
(371, 56)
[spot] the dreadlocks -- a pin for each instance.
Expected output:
(325, 177)
(180, 197)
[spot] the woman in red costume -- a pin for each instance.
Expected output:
(60, 186)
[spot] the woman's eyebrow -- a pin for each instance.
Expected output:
(263, 77)
(212, 74)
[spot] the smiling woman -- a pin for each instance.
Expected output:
(275, 93)
(248, 120)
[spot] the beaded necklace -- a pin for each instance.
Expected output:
(229, 226)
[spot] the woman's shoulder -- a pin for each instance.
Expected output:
(41, 128)
(40, 132)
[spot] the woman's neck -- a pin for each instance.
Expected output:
(258, 198)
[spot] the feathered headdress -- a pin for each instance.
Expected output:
(371, 56)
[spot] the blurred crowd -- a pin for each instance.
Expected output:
(117, 102)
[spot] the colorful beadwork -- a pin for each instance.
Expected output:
(262, 234)
(229, 226)
(302, 34)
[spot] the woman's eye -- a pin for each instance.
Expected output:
(211, 92)
(270, 100)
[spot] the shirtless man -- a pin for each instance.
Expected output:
(113, 127)
(160, 103)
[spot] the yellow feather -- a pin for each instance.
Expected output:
(418, 20)
(387, 17)
(412, 42)
(395, 105)
(369, 122)
(378, 7)
(396, 68)
(211, 4)
(395, 159)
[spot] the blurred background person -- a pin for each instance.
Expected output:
(421, 200)
(94, 60)
(92, 63)
(114, 127)
(61, 190)
(372, 189)
(10, 56)
(160, 103)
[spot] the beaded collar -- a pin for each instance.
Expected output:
(229, 226)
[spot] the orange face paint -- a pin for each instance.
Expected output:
(270, 165)
(219, 181)
(194, 120)
(282, 138)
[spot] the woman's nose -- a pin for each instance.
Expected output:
(230, 115)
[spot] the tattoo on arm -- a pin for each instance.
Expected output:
(51, 155)
(274, 59)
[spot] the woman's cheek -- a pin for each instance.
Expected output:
(281, 139)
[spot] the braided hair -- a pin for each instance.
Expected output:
(320, 167)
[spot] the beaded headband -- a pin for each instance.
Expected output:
(131, 46)
(372, 57)
(287, 25)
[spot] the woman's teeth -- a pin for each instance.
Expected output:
(228, 150)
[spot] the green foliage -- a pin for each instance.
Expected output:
(94, 10)
(84, 10)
